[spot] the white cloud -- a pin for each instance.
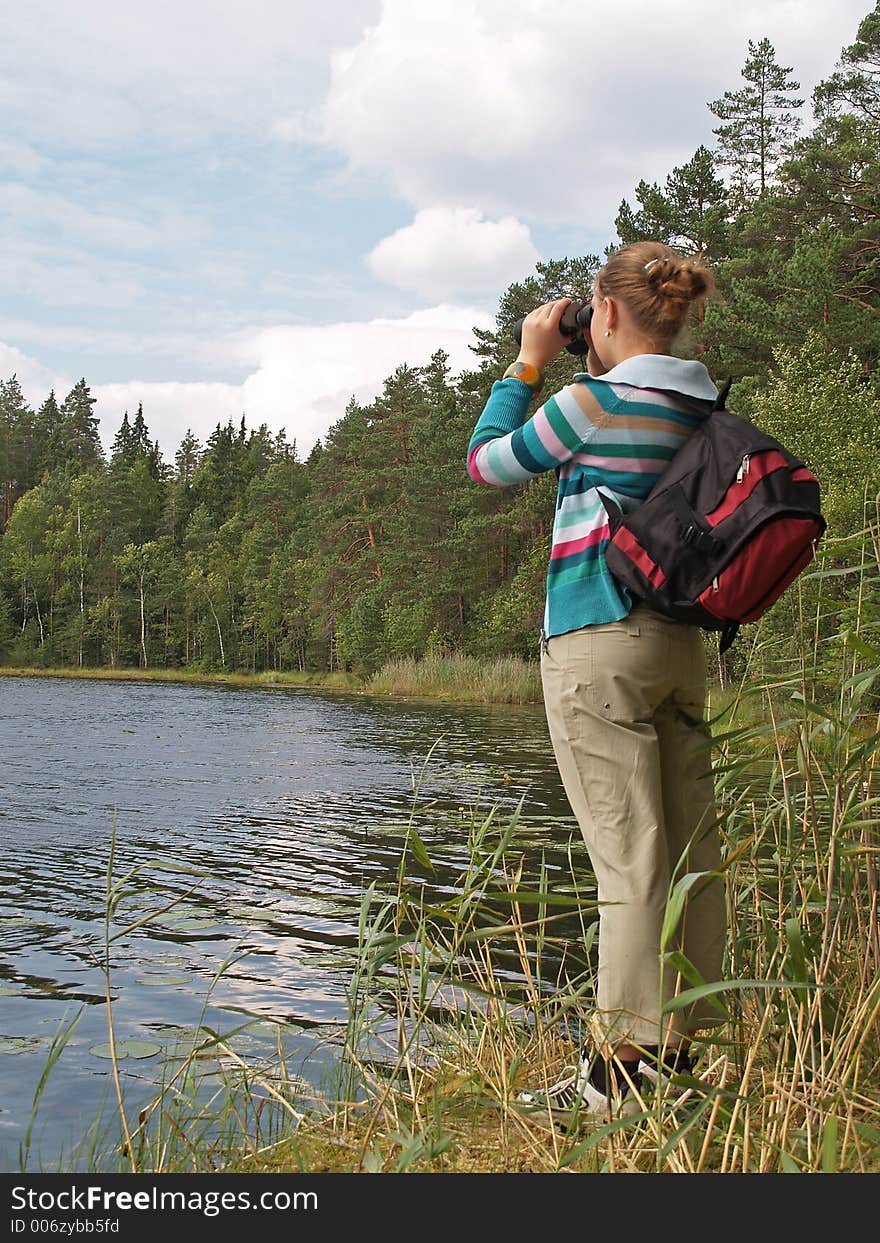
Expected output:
(306, 374)
(89, 341)
(35, 379)
(452, 250)
(553, 112)
(19, 158)
(112, 230)
(100, 74)
(55, 274)
(302, 376)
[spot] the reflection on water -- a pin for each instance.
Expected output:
(287, 803)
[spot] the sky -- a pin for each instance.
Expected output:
(262, 207)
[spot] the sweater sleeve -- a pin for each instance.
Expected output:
(507, 448)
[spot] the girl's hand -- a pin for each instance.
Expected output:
(541, 338)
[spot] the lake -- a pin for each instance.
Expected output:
(287, 803)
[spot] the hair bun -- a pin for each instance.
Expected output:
(658, 284)
(657, 270)
(677, 279)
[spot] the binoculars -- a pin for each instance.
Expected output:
(575, 323)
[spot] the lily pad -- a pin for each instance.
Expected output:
(19, 1044)
(126, 1048)
(171, 1031)
(253, 914)
(188, 912)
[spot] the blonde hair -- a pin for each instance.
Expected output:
(658, 285)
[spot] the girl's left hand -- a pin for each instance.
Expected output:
(541, 338)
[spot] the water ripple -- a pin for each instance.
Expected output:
(284, 805)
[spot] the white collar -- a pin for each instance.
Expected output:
(662, 371)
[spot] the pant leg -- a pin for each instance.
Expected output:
(625, 705)
(601, 687)
(690, 815)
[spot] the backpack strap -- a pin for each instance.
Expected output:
(728, 634)
(691, 530)
(723, 393)
(612, 509)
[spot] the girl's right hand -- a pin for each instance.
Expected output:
(541, 338)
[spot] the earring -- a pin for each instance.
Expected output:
(607, 332)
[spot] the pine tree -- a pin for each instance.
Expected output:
(760, 121)
(16, 420)
(179, 501)
(45, 435)
(122, 449)
(806, 256)
(140, 436)
(187, 458)
(855, 86)
(651, 222)
(77, 442)
(698, 206)
(690, 213)
(219, 481)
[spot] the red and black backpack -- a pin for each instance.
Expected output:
(727, 527)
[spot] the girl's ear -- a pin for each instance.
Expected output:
(611, 313)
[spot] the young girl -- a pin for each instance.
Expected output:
(624, 687)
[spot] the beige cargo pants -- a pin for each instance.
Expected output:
(625, 707)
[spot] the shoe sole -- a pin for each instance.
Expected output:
(581, 1111)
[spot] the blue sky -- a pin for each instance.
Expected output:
(263, 207)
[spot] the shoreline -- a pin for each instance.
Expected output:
(341, 683)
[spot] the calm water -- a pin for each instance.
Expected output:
(289, 802)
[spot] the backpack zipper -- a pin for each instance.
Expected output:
(743, 468)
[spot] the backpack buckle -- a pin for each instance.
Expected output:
(701, 539)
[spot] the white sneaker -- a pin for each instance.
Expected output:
(574, 1094)
(673, 1081)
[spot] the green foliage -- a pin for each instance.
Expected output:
(759, 121)
(825, 409)
(855, 86)
(690, 213)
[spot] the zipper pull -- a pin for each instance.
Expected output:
(743, 468)
(715, 584)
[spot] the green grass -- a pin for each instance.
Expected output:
(329, 681)
(455, 677)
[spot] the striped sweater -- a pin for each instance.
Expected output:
(612, 434)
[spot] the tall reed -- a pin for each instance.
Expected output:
(505, 679)
(791, 1082)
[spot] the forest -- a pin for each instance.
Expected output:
(242, 555)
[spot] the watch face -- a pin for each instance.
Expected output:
(526, 372)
